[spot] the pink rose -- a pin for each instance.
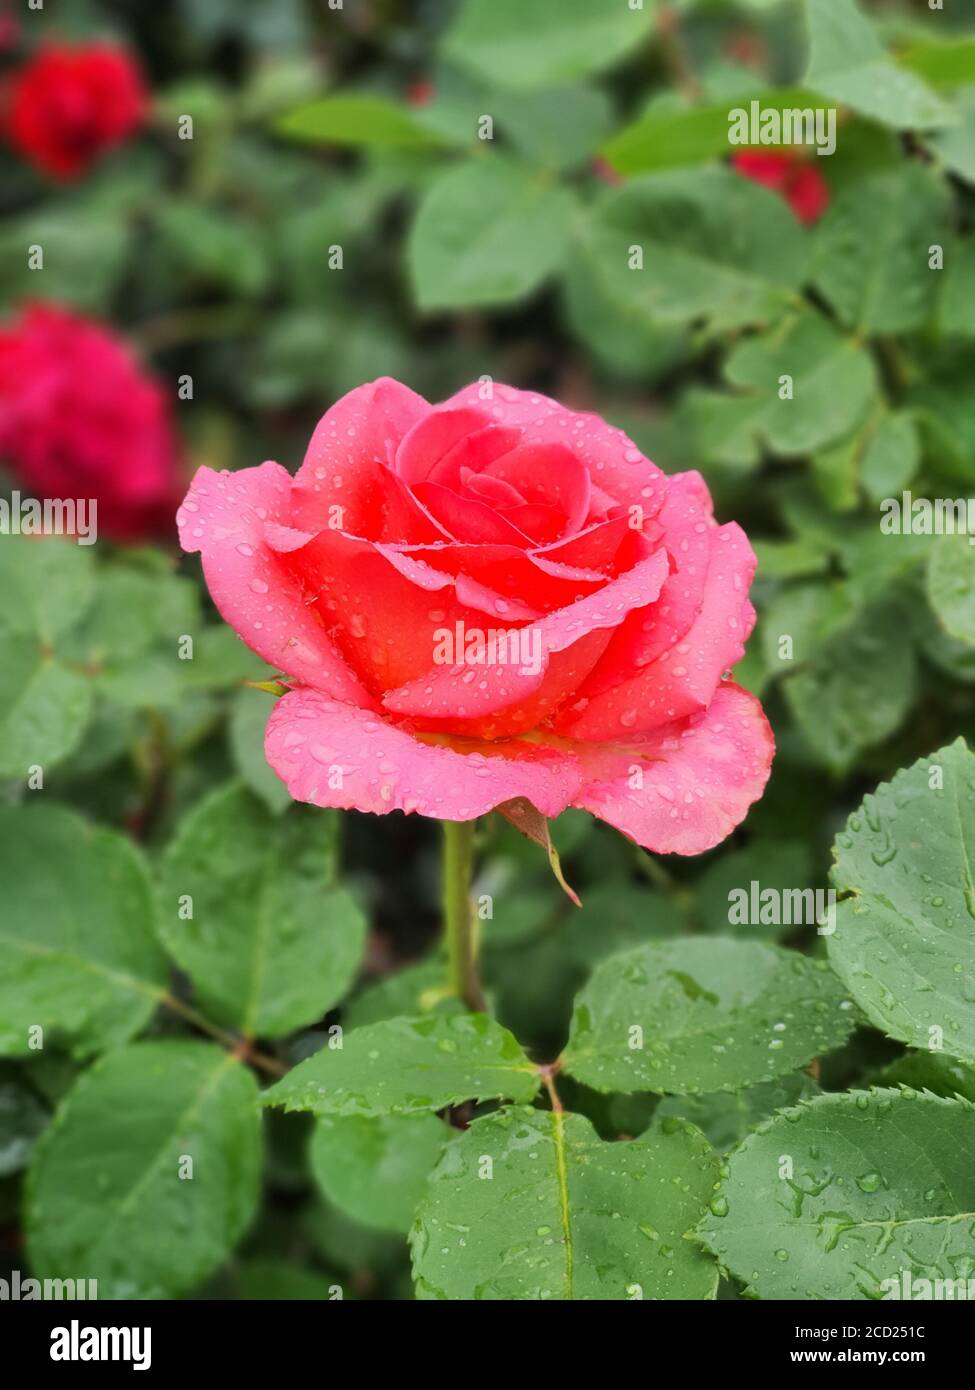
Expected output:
(605, 605)
(80, 418)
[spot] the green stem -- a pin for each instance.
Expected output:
(458, 911)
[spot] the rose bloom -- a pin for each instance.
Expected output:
(793, 176)
(498, 512)
(80, 418)
(66, 106)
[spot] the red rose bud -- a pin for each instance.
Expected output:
(79, 418)
(67, 106)
(793, 176)
(489, 599)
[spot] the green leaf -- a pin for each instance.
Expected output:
(249, 713)
(77, 952)
(905, 937)
(351, 118)
(530, 1205)
(931, 1071)
(44, 708)
(848, 63)
(871, 256)
(858, 687)
(487, 232)
(376, 1167)
(85, 254)
(47, 585)
(795, 558)
(958, 292)
(693, 270)
(557, 128)
(891, 458)
(951, 585)
(619, 334)
(955, 147)
(44, 704)
(831, 379)
(407, 1065)
(415, 989)
(703, 1014)
(727, 1117)
(530, 44)
(805, 614)
(876, 1183)
(110, 1194)
(942, 63)
(272, 943)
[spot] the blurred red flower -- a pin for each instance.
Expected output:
(80, 418)
(790, 174)
(66, 106)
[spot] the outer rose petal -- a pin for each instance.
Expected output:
(699, 776)
(224, 516)
(615, 464)
(384, 768)
(688, 525)
(683, 679)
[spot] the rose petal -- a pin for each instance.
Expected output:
(684, 678)
(432, 438)
(331, 754)
(683, 788)
(224, 516)
(348, 464)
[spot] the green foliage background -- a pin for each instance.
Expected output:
(464, 257)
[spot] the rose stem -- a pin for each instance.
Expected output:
(458, 912)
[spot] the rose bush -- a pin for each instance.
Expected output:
(499, 511)
(80, 418)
